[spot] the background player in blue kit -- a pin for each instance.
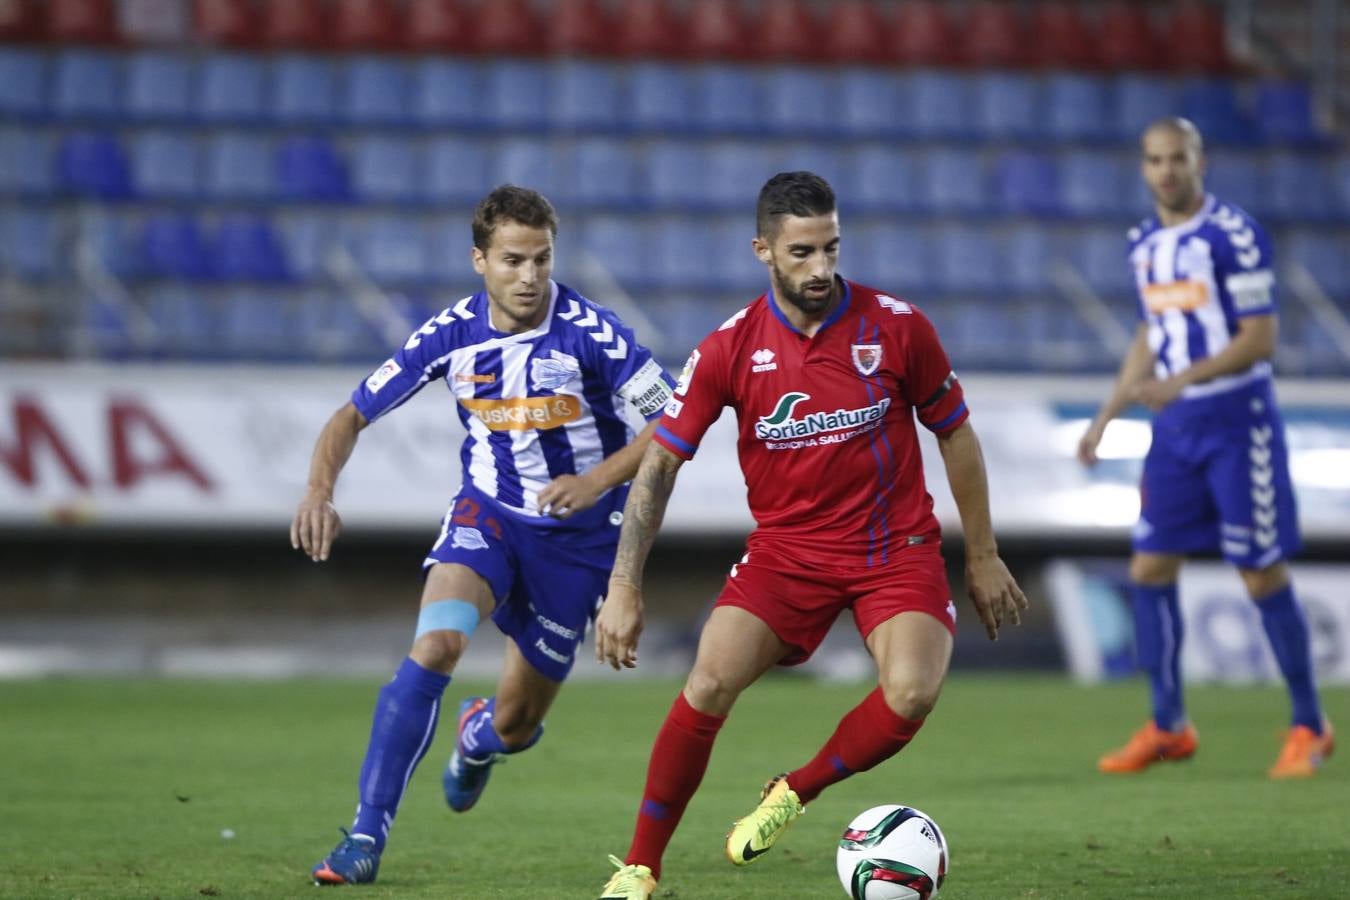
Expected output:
(1216, 476)
(540, 377)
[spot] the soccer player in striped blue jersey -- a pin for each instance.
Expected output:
(1216, 476)
(543, 380)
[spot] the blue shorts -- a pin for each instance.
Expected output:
(548, 577)
(1217, 478)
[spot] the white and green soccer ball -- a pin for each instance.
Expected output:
(892, 853)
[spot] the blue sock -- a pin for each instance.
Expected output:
(404, 724)
(479, 738)
(1288, 633)
(1157, 632)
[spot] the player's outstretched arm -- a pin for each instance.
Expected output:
(317, 524)
(991, 586)
(568, 495)
(1134, 370)
(620, 621)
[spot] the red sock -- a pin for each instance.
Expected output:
(679, 759)
(867, 736)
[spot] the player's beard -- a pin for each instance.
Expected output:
(797, 296)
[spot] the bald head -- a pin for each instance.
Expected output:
(1178, 127)
(1173, 166)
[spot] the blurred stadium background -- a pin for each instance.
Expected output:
(217, 215)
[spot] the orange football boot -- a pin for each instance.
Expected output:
(1304, 752)
(1150, 745)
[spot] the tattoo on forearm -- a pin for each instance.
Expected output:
(645, 509)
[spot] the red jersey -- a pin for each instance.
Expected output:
(827, 440)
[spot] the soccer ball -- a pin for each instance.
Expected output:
(892, 853)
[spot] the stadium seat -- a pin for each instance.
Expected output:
(245, 248)
(718, 31)
(303, 90)
(366, 25)
(1007, 105)
(676, 174)
(868, 102)
(438, 26)
(830, 159)
(306, 239)
(23, 81)
(1027, 183)
(295, 24)
(87, 85)
(30, 242)
(789, 31)
(231, 88)
(187, 323)
(1194, 38)
(1128, 39)
(620, 244)
(1340, 176)
(1300, 187)
(886, 178)
(449, 242)
(1078, 107)
(675, 242)
(110, 237)
(1141, 99)
(579, 28)
(857, 33)
(1096, 184)
(923, 35)
(231, 23)
(309, 168)
(1238, 178)
(508, 28)
(954, 182)
(603, 173)
(90, 164)
(894, 258)
(385, 169)
(159, 87)
(992, 35)
(81, 21)
(239, 166)
(1024, 258)
(1213, 105)
(936, 104)
(1061, 38)
(735, 171)
(586, 95)
(515, 93)
(533, 161)
(727, 99)
(799, 101)
(165, 165)
(392, 250)
(26, 163)
(1323, 255)
(1099, 255)
(735, 267)
(649, 29)
(1284, 113)
(456, 171)
(445, 92)
(986, 333)
(259, 324)
(172, 246)
(660, 96)
(966, 261)
(375, 91)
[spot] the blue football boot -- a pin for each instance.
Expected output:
(353, 861)
(466, 776)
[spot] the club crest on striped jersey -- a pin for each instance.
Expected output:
(866, 358)
(554, 371)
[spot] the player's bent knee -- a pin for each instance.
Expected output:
(709, 693)
(1152, 568)
(443, 631)
(911, 699)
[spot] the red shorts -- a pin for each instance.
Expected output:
(799, 600)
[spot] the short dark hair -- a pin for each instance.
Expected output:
(791, 194)
(510, 203)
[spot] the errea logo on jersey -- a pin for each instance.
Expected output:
(819, 427)
(763, 360)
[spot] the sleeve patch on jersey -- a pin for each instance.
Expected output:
(647, 390)
(380, 377)
(897, 307)
(674, 407)
(1250, 290)
(940, 392)
(686, 376)
(733, 320)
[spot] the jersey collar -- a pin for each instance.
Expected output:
(833, 317)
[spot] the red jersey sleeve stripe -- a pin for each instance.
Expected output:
(674, 443)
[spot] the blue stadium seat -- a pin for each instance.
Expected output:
(736, 170)
(967, 261)
(660, 96)
(111, 237)
(677, 173)
(674, 242)
(726, 99)
(1028, 183)
(733, 262)
(457, 170)
(1099, 255)
(1078, 107)
(586, 94)
(87, 85)
(621, 245)
(886, 178)
(1340, 176)
(1095, 183)
(307, 238)
(515, 93)
(23, 81)
(392, 249)
(90, 164)
(954, 181)
(309, 168)
(246, 248)
(1007, 105)
(894, 258)
(445, 92)
(186, 321)
(533, 161)
(1238, 178)
(1213, 105)
(604, 174)
(936, 104)
(375, 91)
(172, 246)
(26, 163)
(303, 90)
(1300, 187)
(385, 170)
(1323, 255)
(799, 101)
(159, 87)
(1140, 100)
(986, 333)
(30, 242)
(231, 88)
(239, 166)
(1284, 113)
(164, 165)
(829, 159)
(449, 248)
(259, 324)
(1025, 254)
(868, 102)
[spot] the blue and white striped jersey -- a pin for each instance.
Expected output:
(536, 405)
(1196, 280)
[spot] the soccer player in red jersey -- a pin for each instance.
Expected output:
(826, 377)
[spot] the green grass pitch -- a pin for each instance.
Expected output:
(125, 788)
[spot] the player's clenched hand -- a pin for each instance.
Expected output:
(618, 626)
(996, 596)
(315, 526)
(567, 495)
(1088, 443)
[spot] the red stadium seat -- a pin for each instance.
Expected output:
(580, 27)
(507, 27)
(19, 20)
(230, 22)
(81, 21)
(1128, 39)
(438, 26)
(295, 23)
(856, 32)
(717, 30)
(649, 28)
(923, 35)
(993, 35)
(1194, 38)
(1059, 37)
(366, 25)
(789, 30)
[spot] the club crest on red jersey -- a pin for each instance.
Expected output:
(866, 358)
